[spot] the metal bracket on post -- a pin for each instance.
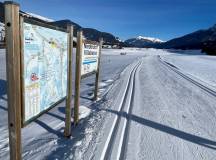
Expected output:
(13, 66)
(67, 131)
(78, 76)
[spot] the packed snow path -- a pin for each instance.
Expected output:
(160, 115)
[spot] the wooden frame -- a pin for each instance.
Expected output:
(22, 69)
(67, 131)
(79, 50)
(78, 76)
(98, 71)
(14, 21)
(46, 25)
(24, 19)
(13, 66)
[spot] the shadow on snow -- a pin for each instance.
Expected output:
(169, 130)
(66, 147)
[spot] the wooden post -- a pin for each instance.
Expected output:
(67, 131)
(13, 66)
(22, 70)
(78, 76)
(98, 71)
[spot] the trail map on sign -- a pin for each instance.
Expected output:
(90, 57)
(45, 68)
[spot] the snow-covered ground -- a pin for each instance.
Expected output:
(150, 107)
(135, 51)
(199, 66)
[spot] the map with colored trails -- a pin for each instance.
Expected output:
(45, 68)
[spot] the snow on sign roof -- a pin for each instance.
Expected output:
(40, 17)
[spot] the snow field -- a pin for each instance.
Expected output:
(165, 116)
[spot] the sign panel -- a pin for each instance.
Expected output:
(90, 53)
(45, 67)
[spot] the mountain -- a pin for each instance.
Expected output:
(89, 33)
(143, 42)
(64, 23)
(94, 35)
(202, 39)
(193, 40)
(209, 47)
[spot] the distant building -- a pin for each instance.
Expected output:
(107, 46)
(115, 46)
(112, 46)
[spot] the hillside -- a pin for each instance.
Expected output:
(202, 39)
(209, 47)
(143, 42)
(89, 33)
(193, 40)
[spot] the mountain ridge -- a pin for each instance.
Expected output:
(202, 39)
(142, 41)
(194, 40)
(150, 39)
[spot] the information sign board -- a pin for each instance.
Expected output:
(90, 55)
(45, 64)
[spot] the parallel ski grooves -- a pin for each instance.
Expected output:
(128, 116)
(208, 90)
(108, 151)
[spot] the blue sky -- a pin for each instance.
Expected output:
(165, 19)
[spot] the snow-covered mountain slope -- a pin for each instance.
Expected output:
(194, 40)
(141, 41)
(155, 40)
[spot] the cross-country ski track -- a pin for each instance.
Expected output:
(125, 107)
(162, 114)
(172, 67)
(153, 105)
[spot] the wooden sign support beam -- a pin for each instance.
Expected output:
(98, 71)
(13, 67)
(78, 76)
(67, 131)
